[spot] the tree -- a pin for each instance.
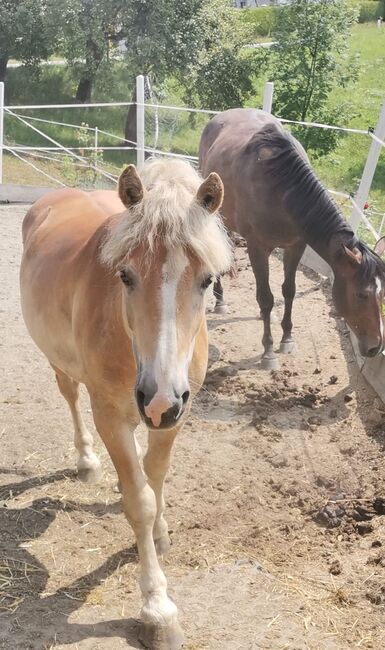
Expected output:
(196, 42)
(224, 67)
(88, 31)
(24, 33)
(309, 61)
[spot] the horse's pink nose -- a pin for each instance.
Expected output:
(158, 405)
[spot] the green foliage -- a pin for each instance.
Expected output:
(370, 10)
(261, 20)
(309, 60)
(221, 72)
(88, 30)
(24, 33)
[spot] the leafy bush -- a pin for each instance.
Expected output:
(369, 10)
(261, 20)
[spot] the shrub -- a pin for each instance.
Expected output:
(369, 10)
(262, 20)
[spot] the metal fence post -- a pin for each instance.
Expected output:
(268, 96)
(369, 171)
(1, 129)
(140, 120)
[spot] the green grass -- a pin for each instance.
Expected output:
(343, 168)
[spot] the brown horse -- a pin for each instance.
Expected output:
(118, 303)
(273, 199)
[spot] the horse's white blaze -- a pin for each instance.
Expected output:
(169, 370)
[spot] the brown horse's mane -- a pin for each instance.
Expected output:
(304, 197)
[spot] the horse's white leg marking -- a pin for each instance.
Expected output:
(159, 614)
(88, 463)
(156, 463)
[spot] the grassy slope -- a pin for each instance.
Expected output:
(343, 168)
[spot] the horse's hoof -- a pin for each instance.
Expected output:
(162, 545)
(90, 474)
(270, 363)
(221, 309)
(288, 347)
(157, 637)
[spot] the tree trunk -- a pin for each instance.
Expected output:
(130, 128)
(83, 93)
(94, 57)
(3, 66)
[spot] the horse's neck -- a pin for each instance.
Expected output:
(328, 249)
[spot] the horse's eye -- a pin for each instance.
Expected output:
(127, 279)
(207, 281)
(362, 296)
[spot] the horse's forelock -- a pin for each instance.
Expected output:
(171, 214)
(372, 265)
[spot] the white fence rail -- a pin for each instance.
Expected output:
(56, 152)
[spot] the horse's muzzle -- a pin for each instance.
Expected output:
(159, 411)
(370, 350)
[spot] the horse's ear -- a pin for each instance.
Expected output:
(130, 187)
(210, 193)
(354, 255)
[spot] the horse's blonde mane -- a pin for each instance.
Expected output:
(169, 212)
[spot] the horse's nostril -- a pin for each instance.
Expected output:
(140, 398)
(373, 351)
(185, 397)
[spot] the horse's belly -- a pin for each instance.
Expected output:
(50, 331)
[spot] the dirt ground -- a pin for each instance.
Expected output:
(276, 496)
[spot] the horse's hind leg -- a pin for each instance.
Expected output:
(259, 258)
(291, 260)
(88, 463)
(220, 305)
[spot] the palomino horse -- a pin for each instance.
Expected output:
(118, 303)
(273, 199)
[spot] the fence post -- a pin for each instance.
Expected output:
(140, 120)
(96, 148)
(1, 129)
(268, 96)
(369, 171)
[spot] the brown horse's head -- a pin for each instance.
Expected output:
(358, 293)
(167, 247)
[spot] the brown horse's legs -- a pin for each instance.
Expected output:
(160, 629)
(291, 260)
(88, 463)
(259, 258)
(220, 305)
(156, 463)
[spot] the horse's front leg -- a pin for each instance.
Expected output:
(259, 258)
(160, 628)
(291, 260)
(156, 463)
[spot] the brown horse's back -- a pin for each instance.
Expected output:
(228, 147)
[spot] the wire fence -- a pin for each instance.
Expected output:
(91, 158)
